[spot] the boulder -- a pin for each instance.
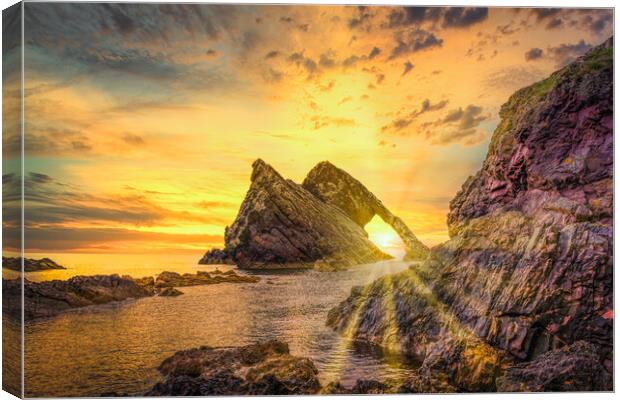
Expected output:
(528, 267)
(265, 368)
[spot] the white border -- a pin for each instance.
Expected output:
(497, 3)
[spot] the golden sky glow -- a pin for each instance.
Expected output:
(142, 121)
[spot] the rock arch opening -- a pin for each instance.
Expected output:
(385, 237)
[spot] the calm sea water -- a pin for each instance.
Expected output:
(117, 347)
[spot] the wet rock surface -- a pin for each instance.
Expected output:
(171, 279)
(282, 225)
(260, 369)
(30, 264)
(528, 267)
(49, 298)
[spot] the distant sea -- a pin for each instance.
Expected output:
(136, 265)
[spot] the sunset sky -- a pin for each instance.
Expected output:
(142, 121)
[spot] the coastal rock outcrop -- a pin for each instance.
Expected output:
(336, 187)
(265, 368)
(30, 264)
(528, 267)
(282, 225)
(49, 298)
(169, 279)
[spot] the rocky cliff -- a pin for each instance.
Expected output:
(335, 186)
(528, 268)
(282, 225)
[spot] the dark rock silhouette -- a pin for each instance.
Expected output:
(30, 264)
(528, 268)
(282, 225)
(259, 369)
(335, 186)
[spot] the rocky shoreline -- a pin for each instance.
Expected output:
(268, 368)
(521, 296)
(50, 298)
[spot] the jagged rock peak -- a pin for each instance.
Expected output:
(260, 169)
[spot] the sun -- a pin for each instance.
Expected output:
(382, 235)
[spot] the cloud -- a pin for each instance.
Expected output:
(326, 60)
(468, 118)
(512, 78)
(307, 63)
(116, 45)
(545, 13)
(467, 137)
(554, 23)
(45, 239)
(408, 67)
(38, 178)
(598, 22)
(568, 52)
(403, 122)
(458, 125)
(350, 61)
(507, 29)
(428, 106)
(345, 100)
(363, 16)
(450, 17)
(272, 54)
(273, 75)
(461, 17)
(321, 121)
(417, 40)
(533, 54)
(134, 140)
(374, 53)
(406, 16)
